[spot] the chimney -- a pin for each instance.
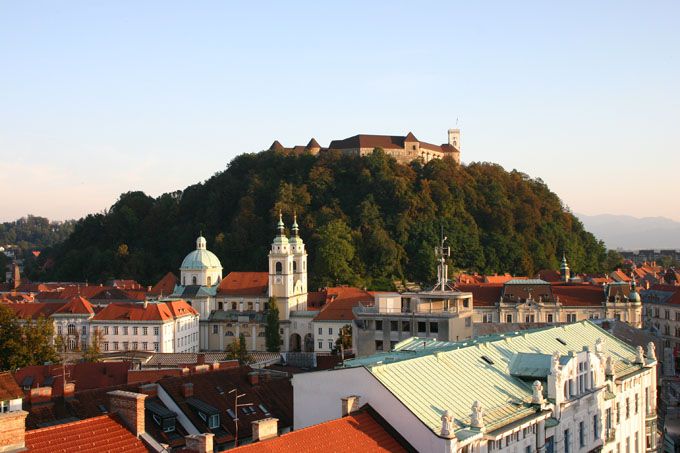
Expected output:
(200, 359)
(69, 389)
(151, 390)
(254, 378)
(216, 366)
(187, 390)
(265, 429)
(199, 443)
(40, 395)
(130, 408)
(349, 405)
(13, 431)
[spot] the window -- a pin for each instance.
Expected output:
(279, 267)
(106, 346)
(71, 329)
(193, 280)
(115, 345)
(220, 306)
(468, 322)
(106, 330)
(145, 330)
(596, 430)
(330, 345)
(405, 326)
(567, 441)
(134, 346)
(233, 305)
(422, 327)
(394, 326)
(378, 345)
(125, 345)
(125, 330)
(156, 330)
(628, 444)
(250, 306)
(618, 413)
(59, 331)
(320, 344)
(84, 330)
(378, 325)
(571, 317)
(215, 329)
(434, 327)
(549, 318)
(487, 318)
(637, 403)
(155, 347)
(627, 408)
(529, 318)
(145, 346)
(320, 330)
(209, 281)
(330, 331)
(508, 318)
(637, 442)
(667, 314)
(581, 434)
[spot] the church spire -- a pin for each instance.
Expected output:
(295, 228)
(280, 226)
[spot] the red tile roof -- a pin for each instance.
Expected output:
(84, 375)
(342, 299)
(165, 285)
(77, 305)
(244, 283)
(354, 433)
(549, 275)
(97, 435)
(161, 311)
(579, 295)
(501, 278)
(34, 310)
(483, 295)
(9, 390)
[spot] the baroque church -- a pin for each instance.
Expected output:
(236, 304)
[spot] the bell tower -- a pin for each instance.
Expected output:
(281, 283)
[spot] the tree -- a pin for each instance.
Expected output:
(25, 344)
(344, 341)
(334, 254)
(94, 351)
(236, 350)
(614, 260)
(272, 329)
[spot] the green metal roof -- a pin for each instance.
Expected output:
(430, 381)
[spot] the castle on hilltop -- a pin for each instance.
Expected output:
(403, 148)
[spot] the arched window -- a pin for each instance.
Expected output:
(193, 280)
(294, 266)
(209, 280)
(279, 267)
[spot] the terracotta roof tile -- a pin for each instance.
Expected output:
(9, 389)
(77, 305)
(357, 432)
(34, 310)
(341, 301)
(483, 295)
(244, 283)
(97, 435)
(161, 311)
(165, 285)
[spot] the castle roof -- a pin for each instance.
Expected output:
(244, 283)
(386, 142)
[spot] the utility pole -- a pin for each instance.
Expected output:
(236, 406)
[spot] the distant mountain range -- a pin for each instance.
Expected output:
(632, 233)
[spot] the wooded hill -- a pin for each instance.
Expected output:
(366, 221)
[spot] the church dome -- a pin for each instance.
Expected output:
(201, 258)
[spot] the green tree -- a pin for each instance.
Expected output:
(344, 340)
(93, 352)
(334, 255)
(272, 329)
(25, 344)
(237, 350)
(614, 260)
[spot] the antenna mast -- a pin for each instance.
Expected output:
(442, 253)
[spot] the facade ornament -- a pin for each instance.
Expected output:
(477, 416)
(651, 351)
(609, 366)
(599, 345)
(640, 355)
(537, 396)
(447, 424)
(555, 363)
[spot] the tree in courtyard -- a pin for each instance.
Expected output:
(344, 340)
(25, 344)
(237, 350)
(272, 332)
(93, 352)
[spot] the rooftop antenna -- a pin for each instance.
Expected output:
(442, 253)
(236, 406)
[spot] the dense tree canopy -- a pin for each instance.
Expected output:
(24, 344)
(365, 220)
(34, 232)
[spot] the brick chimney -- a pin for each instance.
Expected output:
(130, 408)
(13, 431)
(254, 378)
(265, 429)
(187, 390)
(69, 389)
(200, 443)
(349, 405)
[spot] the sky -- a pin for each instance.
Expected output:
(98, 98)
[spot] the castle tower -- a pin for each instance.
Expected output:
(288, 271)
(454, 140)
(565, 273)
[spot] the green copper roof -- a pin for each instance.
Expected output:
(451, 377)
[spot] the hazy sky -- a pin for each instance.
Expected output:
(102, 97)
